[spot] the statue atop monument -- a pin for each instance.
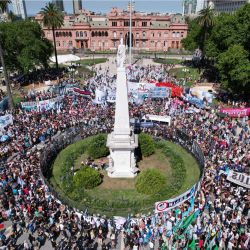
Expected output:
(121, 54)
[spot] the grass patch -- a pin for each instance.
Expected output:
(91, 62)
(119, 196)
(17, 98)
(193, 73)
(167, 61)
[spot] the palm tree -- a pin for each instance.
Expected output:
(3, 8)
(52, 19)
(206, 20)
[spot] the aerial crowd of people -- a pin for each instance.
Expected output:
(29, 210)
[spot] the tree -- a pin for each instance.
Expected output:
(193, 39)
(25, 46)
(12, 17)
(53, 19)
(234, 69)
(3, 8)
(206, 21)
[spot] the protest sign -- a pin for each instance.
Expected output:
(239, 178)
(237, 113)
(167, 205)
(5, 120)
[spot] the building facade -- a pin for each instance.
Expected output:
(19, 8)
(228, 6)
(150, 32)
(77, 6)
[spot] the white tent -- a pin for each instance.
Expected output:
(65, 58)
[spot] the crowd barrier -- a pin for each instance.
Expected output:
(48, 152)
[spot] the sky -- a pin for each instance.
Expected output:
(164, 6)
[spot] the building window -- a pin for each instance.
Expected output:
(173, 35)
(137, 35)
(143, 44)
(70, 43)
(182, 34)
(126, 23)
(114, 34)
(64, 44)
(58, 44)
(178, 34)
(121, 35)
(106, 33)
(144, 24)
(137, 44)
(85, 34)
(114, 23)
(57, 34)
(114, 43)
(81, 34)
(77, 34)
(159, 34)
(144, 33)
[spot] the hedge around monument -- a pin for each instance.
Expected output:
(150, 181)
(87, 178)
(146, 144)
(97, 147)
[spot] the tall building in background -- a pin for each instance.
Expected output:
(77, 6)
(192, 7)
(19, 8)
(200, 5)
(59, 4)
(226, 5)
(189, 7)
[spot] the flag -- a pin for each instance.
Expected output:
(192, 245)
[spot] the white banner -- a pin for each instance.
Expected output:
(5, 120)
(100, 96)
(239, 178)
(42, 105)
(163, 206)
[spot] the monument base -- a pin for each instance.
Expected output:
(122, 162)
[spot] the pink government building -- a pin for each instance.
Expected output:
(150, 32)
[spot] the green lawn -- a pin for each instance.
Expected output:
(179, 73)
(91, 61)
(119, 196)
(167, 61)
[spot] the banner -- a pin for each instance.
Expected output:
(42, 105)
(196, 101)
(100, 96)
(239, 178)
(167, 205)
(236, 113)
(5, 120)
(81, 92)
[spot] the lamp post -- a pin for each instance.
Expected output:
(130, 31)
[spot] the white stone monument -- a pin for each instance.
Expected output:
(122, 141)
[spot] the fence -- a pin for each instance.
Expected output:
(50, 150)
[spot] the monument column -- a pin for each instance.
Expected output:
(122, 141)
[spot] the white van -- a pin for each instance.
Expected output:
(156, 118)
